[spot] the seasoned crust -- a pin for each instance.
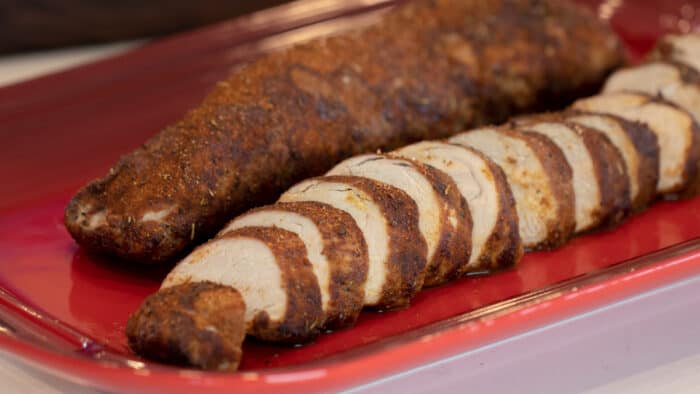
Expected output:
(346, 251)
(674, 127)
(608, 166)
(611, 174)
(294, 113)
(407, 257)
(560, 176)
(671, 48)
(647, 149)
(444, 218)
(692, 168)
(455, 245)
(472, 173)
(303, 317)
(194, 324)
(504, 247)
(120, 235)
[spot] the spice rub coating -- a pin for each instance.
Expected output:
(539, 178)
(405, 256)
(295, 113)
(197, 324)
(270, 269)
(638, 146)
(342, 245)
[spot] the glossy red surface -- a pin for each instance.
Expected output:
(59, 131)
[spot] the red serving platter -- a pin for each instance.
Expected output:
(64, 310)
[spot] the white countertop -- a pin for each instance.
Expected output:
(24, 66)
(648, 344)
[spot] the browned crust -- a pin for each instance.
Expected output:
(196, 324)
(611, 174)
(665, 52)
(691, 171)
(646, 143)
(647, 147)
(608, 164)
(693, 188)
(454, 248)
(560, 177)
(408, 251)
(346, 251)
(294, 113)
(504, 247)
(689, 76)
(303, 316)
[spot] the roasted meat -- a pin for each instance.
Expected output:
(295, 113)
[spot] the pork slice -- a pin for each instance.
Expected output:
(270, 270)
(638, 147)
(443, 215)
(496, 242)
(335, 247)
(671, 81)
(388, 219)
(600, 182)
(682, 48)
(611, 173)
(539, 177)
(677, 134)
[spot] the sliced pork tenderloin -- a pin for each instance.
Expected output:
(638, 147)
(677, 134)
(674, 82)
(388, 219)
(270, 270)
(496, 241)
(539, 177)
(335, 247)
(681, 48)
(599, 175)
(611, 174)
(443, 214)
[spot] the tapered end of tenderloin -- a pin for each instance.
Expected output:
(194, 324)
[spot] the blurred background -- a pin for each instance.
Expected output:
(27, 25)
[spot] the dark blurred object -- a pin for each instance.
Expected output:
(36, 24)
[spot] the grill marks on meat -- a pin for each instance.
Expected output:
(539, 177)
(295, 113)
